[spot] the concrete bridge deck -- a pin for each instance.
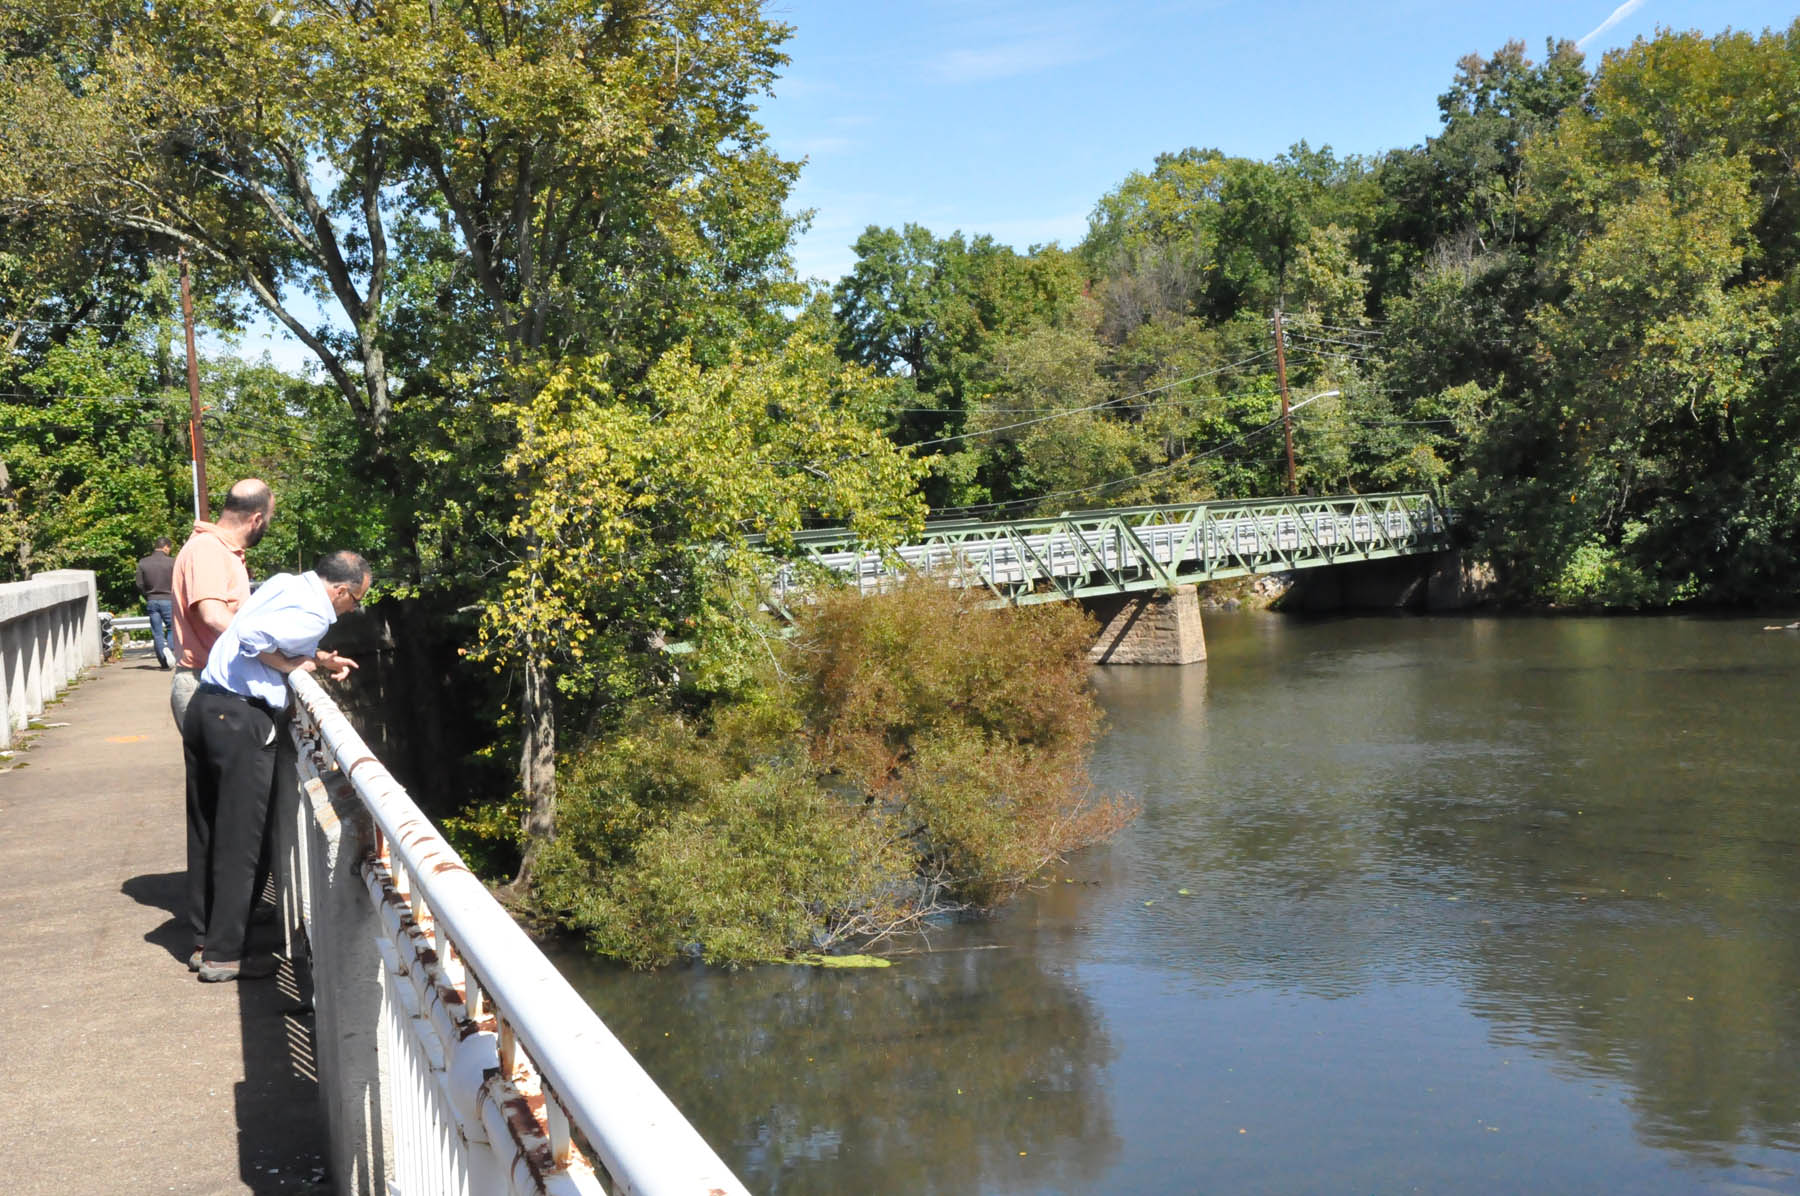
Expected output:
(123, 1073)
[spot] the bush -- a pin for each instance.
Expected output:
(1598, 575)
(904, 755)
(970, 725)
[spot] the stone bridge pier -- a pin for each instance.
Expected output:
(1149, 627)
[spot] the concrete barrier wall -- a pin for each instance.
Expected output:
(49, 633)
(322, 839)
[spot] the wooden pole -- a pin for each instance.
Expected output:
(1287, 423)
(196, 435)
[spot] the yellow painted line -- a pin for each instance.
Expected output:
(126, 738)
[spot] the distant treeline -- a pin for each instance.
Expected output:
(1573, 310)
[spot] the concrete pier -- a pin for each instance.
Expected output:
(1152, 627)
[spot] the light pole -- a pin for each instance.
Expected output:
(1288, 427)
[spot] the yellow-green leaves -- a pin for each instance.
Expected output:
(633, 505)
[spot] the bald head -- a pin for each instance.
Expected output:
(249, 505)
(248, 497)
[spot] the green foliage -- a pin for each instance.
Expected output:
(1598, 575)
(1568, 309)
(970, 726)
(478, 196)
(1644, 455)
(94, 439)
(902, 755)
(672, 844)
(635, 509)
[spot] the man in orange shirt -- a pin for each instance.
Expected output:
(211, 582)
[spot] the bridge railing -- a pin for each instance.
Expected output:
(451, 1055)
(49, 633)
(1082, 553)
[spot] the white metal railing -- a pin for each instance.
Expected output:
(49, 633)
(489, 1073)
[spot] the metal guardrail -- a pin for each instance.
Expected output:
(1079, 554)
(497, 1077)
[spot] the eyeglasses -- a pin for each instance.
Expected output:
(355, 598)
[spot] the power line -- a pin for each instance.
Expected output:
(1107, 485)
(1293, 317)
(1092, 406)
(1327, 340)
(1200, 401)
(1185, 459)
(21, 322)
(51, 398)
(1119, 404)
(1302, 322)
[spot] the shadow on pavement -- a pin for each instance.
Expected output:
(281, 1122)
(164, 891)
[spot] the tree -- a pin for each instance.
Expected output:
(1462, 187)
(637, 510)
(494, 188)
(1652, 458)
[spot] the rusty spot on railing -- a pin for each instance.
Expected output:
(526, 1130)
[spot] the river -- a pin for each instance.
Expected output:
(1413, 905)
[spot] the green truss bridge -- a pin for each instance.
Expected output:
(1123, 550)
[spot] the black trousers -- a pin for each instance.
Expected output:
(231, 748)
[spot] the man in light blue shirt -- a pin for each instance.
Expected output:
(276, 630)
(230, 738)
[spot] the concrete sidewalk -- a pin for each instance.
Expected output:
(125, 1074)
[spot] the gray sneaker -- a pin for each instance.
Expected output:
(254, 968)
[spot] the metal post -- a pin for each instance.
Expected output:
(1287, 423)
(196, 437)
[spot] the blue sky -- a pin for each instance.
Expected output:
(1012, 118)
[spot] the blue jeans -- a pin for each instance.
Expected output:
(162, 629)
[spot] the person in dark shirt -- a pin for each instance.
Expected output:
(155, 581)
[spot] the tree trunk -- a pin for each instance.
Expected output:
(537, 764)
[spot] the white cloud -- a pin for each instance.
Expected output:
(1618, 14)
(1021, 39)
(1006, 60)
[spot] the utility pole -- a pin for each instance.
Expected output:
(196, 437)
(1287, 423)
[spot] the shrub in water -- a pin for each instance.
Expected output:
(905, 755)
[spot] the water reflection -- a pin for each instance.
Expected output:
(1452, 904)
(968, 1070)
(1585, 824)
